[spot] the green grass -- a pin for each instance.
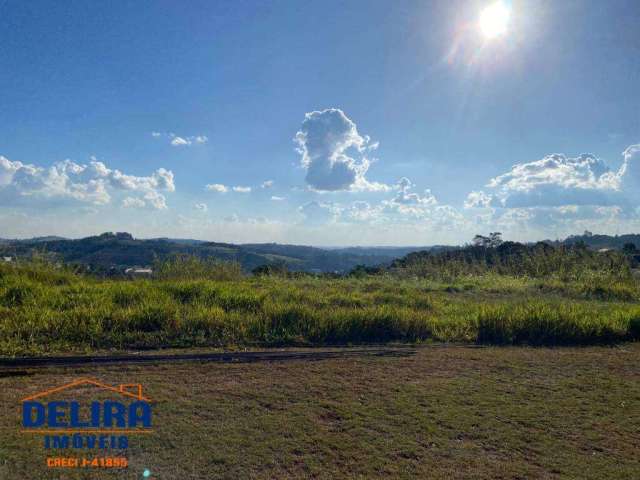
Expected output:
(46, 310)
(458, 413)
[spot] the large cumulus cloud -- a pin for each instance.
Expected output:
(93, 183)
(557, 180)
(334, 153)
(560, 195)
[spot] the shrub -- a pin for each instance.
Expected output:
(189, 267)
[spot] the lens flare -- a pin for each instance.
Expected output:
(494, 20)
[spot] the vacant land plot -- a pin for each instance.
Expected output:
(509, 412)
(43, 311)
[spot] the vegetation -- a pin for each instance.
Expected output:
(187, 267)
(509, 294)
(597, 242)
(564, 263)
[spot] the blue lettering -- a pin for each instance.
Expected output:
(28, 410)
(61, 441)
(114, 411)
(75, 416)
(95, 414)
(55, 414)
(139, 412)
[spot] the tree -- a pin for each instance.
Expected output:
(278, 269)
(494, 240)
(481, 241)
(629, 248)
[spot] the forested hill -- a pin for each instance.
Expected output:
(120, 250)
(616, 242)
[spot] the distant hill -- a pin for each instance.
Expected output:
(615, 242)
(120, 250)
(389, 252)
(183, 241)
(34, 239)
(50, 238)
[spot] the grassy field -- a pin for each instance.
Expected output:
(454, 412)
(48, 310)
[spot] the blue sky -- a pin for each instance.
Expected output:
(372, 123)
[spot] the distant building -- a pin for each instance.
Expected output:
(138, 271)
(603, 250)
(7, 259)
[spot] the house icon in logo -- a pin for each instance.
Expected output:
(130, 390)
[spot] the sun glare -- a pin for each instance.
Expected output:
(494, 19)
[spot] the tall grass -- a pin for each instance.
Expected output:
(543, 261)
(44, 308)
(189, 267)
(539, 323)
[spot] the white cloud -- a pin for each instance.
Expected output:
(201, 207)
(180, 141)
(8, 169)
(325, 141)
(404, 209)
(277, 199)
(220, 188)
(478, 199)
(558, 221)
(156, 200)
(88, 183)
(364, 185)
(407, 204)
(405, 197)
(360, 211)
(217, 187)
(267, 184)
(233, 218)
(132, 202)
(630, 171)
(556, 180)
(558, 195)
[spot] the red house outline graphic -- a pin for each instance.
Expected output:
(122, 389)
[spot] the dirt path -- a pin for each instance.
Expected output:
(224, 357)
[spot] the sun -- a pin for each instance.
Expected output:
(494, 20)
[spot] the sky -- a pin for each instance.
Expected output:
(320, 123)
